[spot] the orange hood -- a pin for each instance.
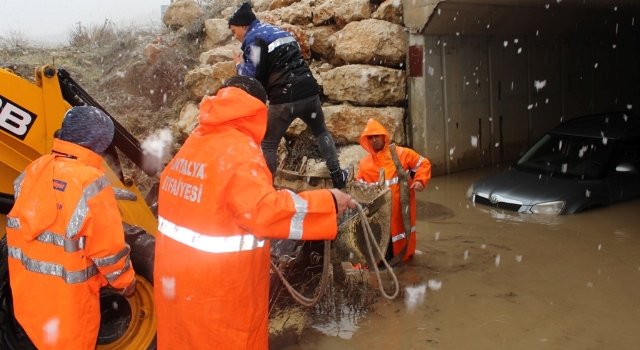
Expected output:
(37, 195)
(374, 128)
(221, 111)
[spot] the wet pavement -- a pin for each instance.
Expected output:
(492, 279)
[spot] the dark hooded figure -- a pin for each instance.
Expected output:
(273, 57)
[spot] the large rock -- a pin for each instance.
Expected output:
(323, 14)
(187, 122)
(269, 17)
(152, 52)
(182, 13)
(341, 12)
(365, 85)
(299, 14)
(346, 123)
(348, 155)
(206, 80)
(352, 10)
(276, 4)
(371, 41)
(390, 11)
(321, 45)
(219, 54)
(217, 30)
(259, 5)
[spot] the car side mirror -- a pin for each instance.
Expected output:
(626, 168)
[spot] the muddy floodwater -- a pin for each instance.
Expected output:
(494, 279)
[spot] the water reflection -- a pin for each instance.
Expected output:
(509, 280)
(342, 324)
(515, 217)
(621, 235)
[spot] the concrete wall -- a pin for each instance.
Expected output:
(483, 100)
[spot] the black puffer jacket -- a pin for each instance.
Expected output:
(282, 71)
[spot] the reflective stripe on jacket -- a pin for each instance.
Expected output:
(65, 241)
(217, 208)
(368, 172)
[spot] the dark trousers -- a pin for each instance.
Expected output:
(309, 110)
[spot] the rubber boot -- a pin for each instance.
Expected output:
(340, 177)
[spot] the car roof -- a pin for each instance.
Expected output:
(612, 125)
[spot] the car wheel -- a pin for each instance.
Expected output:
(126, 323)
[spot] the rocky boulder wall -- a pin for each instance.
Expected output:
(365, 85)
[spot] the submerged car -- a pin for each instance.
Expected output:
(583, 163)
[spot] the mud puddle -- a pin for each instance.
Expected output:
(488, 279)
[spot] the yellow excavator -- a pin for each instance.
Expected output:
(30, 114)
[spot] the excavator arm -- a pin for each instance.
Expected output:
(30, 115)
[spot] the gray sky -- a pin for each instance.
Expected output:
(40, 19)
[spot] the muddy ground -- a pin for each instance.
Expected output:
(508, 281)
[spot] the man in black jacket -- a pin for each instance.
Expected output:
(273, 57)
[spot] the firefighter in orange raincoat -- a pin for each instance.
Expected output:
(65, 238)
(217, 207)
(375, 140)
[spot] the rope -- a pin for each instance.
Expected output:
(368, 234)
(304, 301)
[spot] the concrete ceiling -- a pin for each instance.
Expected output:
(531, 17)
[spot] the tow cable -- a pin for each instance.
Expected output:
(368, 235)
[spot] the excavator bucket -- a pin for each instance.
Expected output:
(301, 262)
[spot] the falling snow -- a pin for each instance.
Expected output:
(51, 331)
(474, 141)
(414, 296)
(158, 144)
(435, 285)
(168, 287)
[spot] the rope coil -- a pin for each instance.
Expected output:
(368, 236)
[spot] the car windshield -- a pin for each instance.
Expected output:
(574, 157)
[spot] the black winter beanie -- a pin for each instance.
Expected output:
(88, 127)
(243, 16)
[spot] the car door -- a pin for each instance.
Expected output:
(624, 177)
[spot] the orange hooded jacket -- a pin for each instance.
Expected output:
(65, 241)
(216, 207)
(369, 170)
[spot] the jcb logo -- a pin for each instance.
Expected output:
(14, 119)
